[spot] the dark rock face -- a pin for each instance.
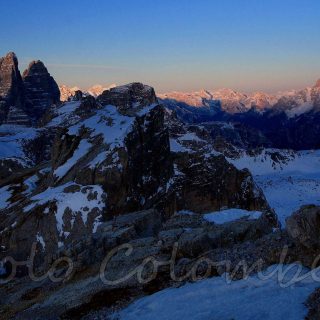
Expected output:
(304, 227)
(41, 89)
(313, 304)
(30, 96)
(191, 114)
(130, 98)
(204, 180)
(274, 129)
(132, 174)
(17, 116)
(149, 161)
(87, 106)
(11, 85)
(210, 184)
(77, 95)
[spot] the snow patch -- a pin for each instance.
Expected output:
(81, 151)
(41, 241)
(175, 146)
(77, 202)
(109, 123)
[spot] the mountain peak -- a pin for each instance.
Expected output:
(10, 82)
(41, 89)
(97, 89)
(35, 67)
(11, 55)
(129, 98)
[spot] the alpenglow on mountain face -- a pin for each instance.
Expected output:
(95, 91)
(293, 102)
(95, 187)
(286, 120)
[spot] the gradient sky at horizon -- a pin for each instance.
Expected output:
(247, 45)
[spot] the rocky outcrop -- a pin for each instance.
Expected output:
(304, 227)
(207, 185)
(41, 89)
(77, 95)
(313, 305)
(134, 174)
(204, 180)
(143, 237)
(129, 99)
(11, 85)
(17, 116)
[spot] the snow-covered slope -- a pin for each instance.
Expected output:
(12, 139)
(289, 179)
(247, 299)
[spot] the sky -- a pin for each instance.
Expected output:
(177, 45)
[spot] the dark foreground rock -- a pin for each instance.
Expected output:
(103, 261)
(304, 227)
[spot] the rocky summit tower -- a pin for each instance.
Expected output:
(41, 89)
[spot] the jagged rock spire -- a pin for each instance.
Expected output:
(41, 89)
(11, 85)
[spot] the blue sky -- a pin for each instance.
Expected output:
(185, 45)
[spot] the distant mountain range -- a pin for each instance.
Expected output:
(293, 103)
(67, 92)
(286, 120)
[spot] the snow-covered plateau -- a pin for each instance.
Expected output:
(290, 181)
